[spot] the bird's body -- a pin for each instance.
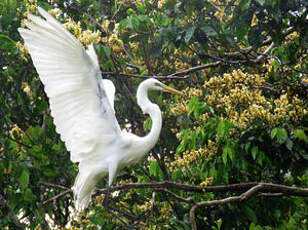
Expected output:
(82, 105)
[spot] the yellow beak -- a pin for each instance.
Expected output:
(171, 90)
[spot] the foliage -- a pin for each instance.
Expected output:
(243, 118)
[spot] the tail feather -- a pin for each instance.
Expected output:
(84, 185)
(83, 189)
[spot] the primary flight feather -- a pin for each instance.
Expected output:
(81, 103)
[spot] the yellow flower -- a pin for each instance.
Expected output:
(254, 20)
(207, 181)
(23, 50)
(16, 131)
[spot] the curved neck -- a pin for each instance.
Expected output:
(153, 110)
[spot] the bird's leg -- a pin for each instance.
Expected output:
(112, 210)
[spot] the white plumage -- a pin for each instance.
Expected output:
(82, 103)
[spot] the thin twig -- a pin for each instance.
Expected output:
(266, 51)
(175, 196)
(183, 74)
(53, 185)
(58, 196)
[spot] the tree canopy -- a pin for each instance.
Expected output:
(233, 152)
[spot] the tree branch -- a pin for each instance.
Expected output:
(53, 185)
(251, 188)
(252, 191)
(183, 74)
(58, 196)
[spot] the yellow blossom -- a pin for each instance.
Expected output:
(254, 20)
(207, 181)
(55, 12)
(24, 53)
(16, 131)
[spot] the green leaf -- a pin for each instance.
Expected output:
(208, 30)
(33, 134)
(24, 179)
(141, 9)
(289, 144)
(276, 65)
(247, 146)
(155, 170)
(8, 9)
(135, 22)
(254, 152)
(130, 11)
(189, 33)
(147, 125)
(282, 135)
(107, 51)
(29, 196)
(49, 172)
(180, 148)
(225, 156)
(274, 132)
(261, 157)
(252, 226)
(300, 134)
(229, 151)
(219, 223)
(123, 24)
(6, 43)
(221, 129)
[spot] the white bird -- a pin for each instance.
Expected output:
(81, 104)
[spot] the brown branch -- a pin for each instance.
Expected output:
(175, 196)
(283, 190)
(247, 50)
(267, 50)
(183, 74)
(10, 213)
(266, 187)
(159, 186)
(17, 142)
(252, 191)
(53, 185)
(58, 196)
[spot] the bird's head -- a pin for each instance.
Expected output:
(151, 84)
(154, 84)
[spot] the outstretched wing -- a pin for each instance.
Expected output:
(81, 106)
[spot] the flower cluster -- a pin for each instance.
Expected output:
(207, 182)
(26, 88)
(24, 53)
(86, 37)
(179, 108)
(241, 97)
(190, 156)
(115, 43)
(55, 12)
(161, 3)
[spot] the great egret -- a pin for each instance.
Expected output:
(82, 103)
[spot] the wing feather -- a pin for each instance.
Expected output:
(81, 107)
